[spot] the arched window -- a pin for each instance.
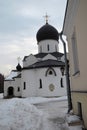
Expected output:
(18, 89)
(48, 47)
(40, 48)
(61, 83)
(55, 48)
(40, 83)
(24, 85)
(50, 71)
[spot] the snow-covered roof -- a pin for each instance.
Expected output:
(12, 74)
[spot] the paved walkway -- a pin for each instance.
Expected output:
(54, 113)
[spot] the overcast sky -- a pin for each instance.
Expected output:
(19, 23)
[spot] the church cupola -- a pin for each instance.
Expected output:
(47, 38)
(18, 67)
(47, 32)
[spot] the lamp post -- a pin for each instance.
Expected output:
(67, 74)
(62, 70)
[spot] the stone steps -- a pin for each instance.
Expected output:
(73, 120)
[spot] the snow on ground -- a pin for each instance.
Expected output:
(1, 95)
(78, 127)
(17, 114)
(37, 100)
(73, 119)
(34, 113)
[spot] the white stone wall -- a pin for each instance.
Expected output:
(15, 84)
(32, 79)
(47, 81)
(29, 76)
(8, 84)
(43, 46)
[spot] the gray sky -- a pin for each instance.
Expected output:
(19, 23)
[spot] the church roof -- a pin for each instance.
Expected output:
(12, 74)
(18, 76)
(56, 54)
(46, 63)
(42, 55)
(25, 58)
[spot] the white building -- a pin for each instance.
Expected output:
(41, 73)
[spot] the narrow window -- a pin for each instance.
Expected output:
(18, 89)
(40, 48)
(75, 53)
(80, 110)
(40, 83)
(48, 47)
(61, 82)
(24, 85)
(55, 48)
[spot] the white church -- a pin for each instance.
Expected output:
(42, 74)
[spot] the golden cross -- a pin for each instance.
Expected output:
(46, 17)
(19, 59)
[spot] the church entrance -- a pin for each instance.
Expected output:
(10, 92)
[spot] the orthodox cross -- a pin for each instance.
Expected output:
(46, 18)
(19, 59)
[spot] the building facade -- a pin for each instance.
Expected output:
(75, 28)
(41, 73)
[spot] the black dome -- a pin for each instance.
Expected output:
(18, 67)
(47, 32)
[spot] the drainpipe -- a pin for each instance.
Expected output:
(67, 74)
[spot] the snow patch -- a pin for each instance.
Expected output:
(17, 114)
(21, 114)
(37, 100)
(72, 118)
(1, 95)
(12, 75)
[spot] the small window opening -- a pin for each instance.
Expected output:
(24, 85)
(55, 48)
(18, 89)
(50, 72)
(80, 110)
(40, 48)
(40, 83)
(48, 47)
(61, 82)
